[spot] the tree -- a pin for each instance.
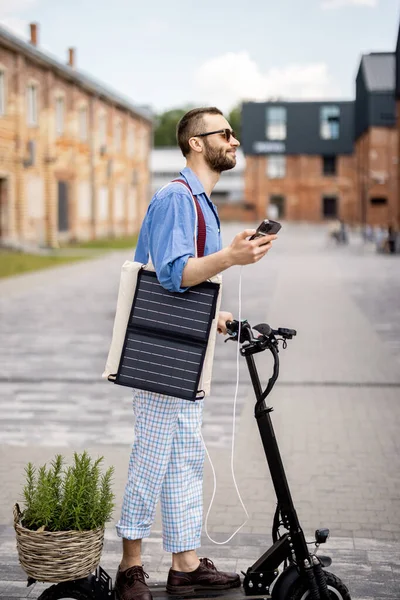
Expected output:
(166, 122)
(235, 119)
(165, 130)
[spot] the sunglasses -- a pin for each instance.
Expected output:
(227, 133)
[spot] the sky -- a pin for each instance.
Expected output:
(168, 54)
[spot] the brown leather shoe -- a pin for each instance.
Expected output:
(205, 577)
(131, 585)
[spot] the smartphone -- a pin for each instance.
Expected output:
(265, 228)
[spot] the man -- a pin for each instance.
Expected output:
(168, 455)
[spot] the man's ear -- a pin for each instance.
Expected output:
(195, 144)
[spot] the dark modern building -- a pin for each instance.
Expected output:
(397, 83)
(376, 140)
(300, 159)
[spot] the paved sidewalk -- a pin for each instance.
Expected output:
(337, 409)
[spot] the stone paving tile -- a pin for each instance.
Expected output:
(367, 575)
(337, 415)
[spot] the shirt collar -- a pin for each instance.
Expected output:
(194, 182)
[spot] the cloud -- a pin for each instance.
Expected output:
(153, 27)
(225, 80)
(10, 18)
(329, 4)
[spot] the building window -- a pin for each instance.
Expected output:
(102, 130)
(131, 141)
(276, 208)
(83, 124)
(329, 165)
(378, 201)
(276, 166)
(329, 122)
(276, 123)
(2, 93)
(329, 207)
(32, 105)
(60, 115)
(118, 136)
(144, 144)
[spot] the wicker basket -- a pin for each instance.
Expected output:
(57, 556)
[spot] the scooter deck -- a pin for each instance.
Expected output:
(159, 592)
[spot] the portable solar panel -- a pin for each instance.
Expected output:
(166, 337)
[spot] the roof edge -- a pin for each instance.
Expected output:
(14, 43)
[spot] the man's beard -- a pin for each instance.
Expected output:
(218, 159)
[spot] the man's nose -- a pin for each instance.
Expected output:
(234, 141)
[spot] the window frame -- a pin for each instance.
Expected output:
(32, 109)
(280, 125)
(325, 198)
(118, 135)
(131, 139)
(326, 172)
(102, 128)
(3, 91)
(378, 201)
(277, 170)
(60, 98)
(144, 143)
(325, 121)
(83, 126)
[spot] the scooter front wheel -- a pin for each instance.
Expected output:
(336, 587)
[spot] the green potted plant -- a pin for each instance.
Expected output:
(60, 531)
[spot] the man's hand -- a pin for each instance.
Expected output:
(223, 317)
(245, 252)
(241, 251)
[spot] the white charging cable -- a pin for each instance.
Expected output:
(233, 436)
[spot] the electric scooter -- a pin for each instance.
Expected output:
(288, 570)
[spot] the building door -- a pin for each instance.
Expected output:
(276, 208)
(3, 208)
(63, 216)
(329, 207)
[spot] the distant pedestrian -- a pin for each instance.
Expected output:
(391, 239)
(343, 238)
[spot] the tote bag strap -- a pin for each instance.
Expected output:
(201, 224)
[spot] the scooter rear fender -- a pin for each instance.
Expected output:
(282, 584)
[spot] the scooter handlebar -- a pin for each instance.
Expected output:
(263, 328)
(230, 325)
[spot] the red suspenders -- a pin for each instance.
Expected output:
(201, 224)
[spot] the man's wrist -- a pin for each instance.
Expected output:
(227, 258)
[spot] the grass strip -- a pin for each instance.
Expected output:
(14, 263)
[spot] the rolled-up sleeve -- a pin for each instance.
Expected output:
(171, 237)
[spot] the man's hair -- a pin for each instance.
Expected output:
(191, 124)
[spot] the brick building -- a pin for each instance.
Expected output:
(299, 158)
(74, 156)
(397, 85)
(167, 162)
(376, 140)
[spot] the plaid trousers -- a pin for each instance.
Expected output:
(166, 462)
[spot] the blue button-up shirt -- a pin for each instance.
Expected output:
(167, 233)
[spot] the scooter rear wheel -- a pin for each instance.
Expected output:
(336, 587)
(66, 591)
